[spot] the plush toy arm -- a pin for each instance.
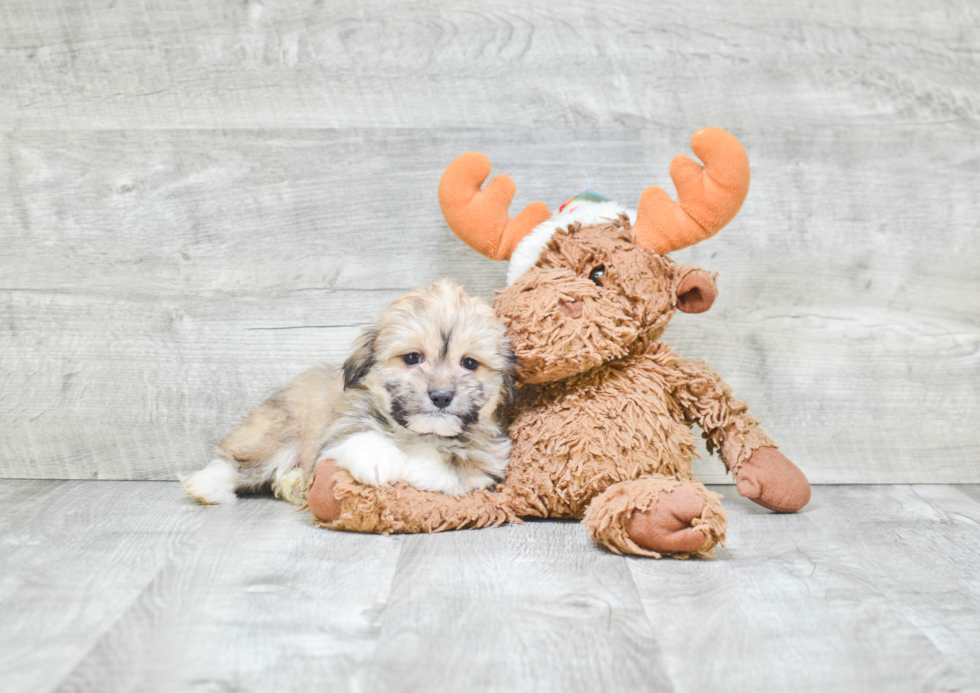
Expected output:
(337, 501)
(707, 401)
(762, 473)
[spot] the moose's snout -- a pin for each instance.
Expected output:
(441, 398)
(572, 309)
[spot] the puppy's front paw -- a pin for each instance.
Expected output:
(478, 482)
(370, 458)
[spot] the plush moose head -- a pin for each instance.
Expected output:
(602, 284)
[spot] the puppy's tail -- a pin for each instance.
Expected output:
(214, 484)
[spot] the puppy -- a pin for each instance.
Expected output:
(420, 400)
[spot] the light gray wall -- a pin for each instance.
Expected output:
(200, 199)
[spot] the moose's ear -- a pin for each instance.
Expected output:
(358, 364)
(696, 291)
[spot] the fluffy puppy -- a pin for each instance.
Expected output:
(420, 400)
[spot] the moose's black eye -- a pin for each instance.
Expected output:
(470, 364)
(596, 275)
(412, 359)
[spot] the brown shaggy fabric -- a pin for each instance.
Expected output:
(631, 424)
(707, 401)
(601, 425)
(401, 509)
(609, 512)
(557, 347)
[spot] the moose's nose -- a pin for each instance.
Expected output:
(572, 309)
(441, 398)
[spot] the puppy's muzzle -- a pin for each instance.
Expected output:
(441, 398)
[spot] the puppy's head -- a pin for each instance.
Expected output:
(437, 361)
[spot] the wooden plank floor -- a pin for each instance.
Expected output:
(108, 586)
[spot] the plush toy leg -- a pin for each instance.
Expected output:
(339, 502)
(771, 480)
(320, 498)
(657, 515)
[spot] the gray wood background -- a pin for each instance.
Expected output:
(200, 199)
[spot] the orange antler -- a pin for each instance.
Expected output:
(481, 217)
(710, 196)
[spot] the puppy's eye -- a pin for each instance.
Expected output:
(412, 359)
(470, 364)
(597, 274)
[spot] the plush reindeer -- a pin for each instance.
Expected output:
(602, 421)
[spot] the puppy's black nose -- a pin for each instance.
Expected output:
(441, 398)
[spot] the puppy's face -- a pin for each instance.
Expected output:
(437, 362)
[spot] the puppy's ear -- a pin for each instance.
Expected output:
(510, 379)
(356, 367)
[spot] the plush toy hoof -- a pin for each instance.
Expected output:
(320, 497)
(772, 481)
(665, 527)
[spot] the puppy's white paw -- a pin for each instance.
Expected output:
(214, 484)
(370, 458)
(477, 481)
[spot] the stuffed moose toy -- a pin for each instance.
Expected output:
(601, 424)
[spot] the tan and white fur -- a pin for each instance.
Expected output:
(418, 401)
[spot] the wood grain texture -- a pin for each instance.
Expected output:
(515, 64)
(74, 556)
(870, 588)
(197, 201)
(259, 599)
(521, 608)
(112, 586)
